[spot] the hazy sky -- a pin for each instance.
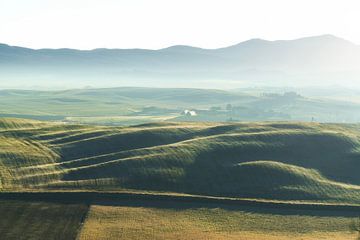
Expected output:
(87, 24)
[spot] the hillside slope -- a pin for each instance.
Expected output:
(134, 105)
(286, 161)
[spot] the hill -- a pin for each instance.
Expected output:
(305, 61)
(135, 105)
(283, 161)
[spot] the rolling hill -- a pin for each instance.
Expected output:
(278, 161)
(320, 60)
(136, 105)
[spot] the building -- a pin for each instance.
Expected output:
(189, 113)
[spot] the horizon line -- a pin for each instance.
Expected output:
(187, 46)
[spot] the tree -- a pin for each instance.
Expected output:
(229, 107)
(215, 109)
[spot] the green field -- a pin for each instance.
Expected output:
(297, 161)
(263, 180)
(130, 105)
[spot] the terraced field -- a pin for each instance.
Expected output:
(282, 161)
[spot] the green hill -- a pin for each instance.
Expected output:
(135, 105)
(284, 161)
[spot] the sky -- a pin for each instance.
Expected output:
(154, 24)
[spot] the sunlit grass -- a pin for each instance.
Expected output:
(296, 161)
(111, 222)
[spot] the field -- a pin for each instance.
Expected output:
(40, 221)
(168, 220)
(263, 180)
(211, 222)
(119, 120)
(129, 106)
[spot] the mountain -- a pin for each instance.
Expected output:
(322, 59)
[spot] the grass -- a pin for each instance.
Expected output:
(119, 120)
(128, 106)
(267, 161)
(283, 161)
(108, 104)
(151, 219)
(37, 221)
(136, 222)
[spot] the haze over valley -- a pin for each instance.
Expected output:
(319, 61)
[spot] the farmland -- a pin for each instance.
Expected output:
(39, 220)
(126, 106)
(213, 222)
(263, 180)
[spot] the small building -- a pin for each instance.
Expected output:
(189, 113)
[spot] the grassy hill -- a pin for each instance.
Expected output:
(109, 101)
(132, 105)
(284, 161)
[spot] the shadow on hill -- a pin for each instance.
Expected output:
(177, 202)
(276, 161)
(263, 210)
(221, 170)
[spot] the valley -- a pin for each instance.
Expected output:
(130, 105)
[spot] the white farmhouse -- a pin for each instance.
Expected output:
(189, 113)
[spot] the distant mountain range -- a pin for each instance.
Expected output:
(315, 60)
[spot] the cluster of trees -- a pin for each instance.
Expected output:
(287, 95)
(228, 108)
